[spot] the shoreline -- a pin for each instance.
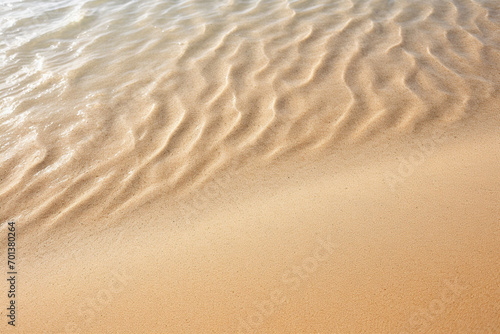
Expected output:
(240, 256)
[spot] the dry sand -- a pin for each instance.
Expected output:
(332, 172)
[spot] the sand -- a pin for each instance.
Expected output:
(288, 168)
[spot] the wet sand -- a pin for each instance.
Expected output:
(327, 247)
(288, 168)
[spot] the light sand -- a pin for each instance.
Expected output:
(324, 248)
(324, 173)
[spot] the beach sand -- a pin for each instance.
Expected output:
(290, 168)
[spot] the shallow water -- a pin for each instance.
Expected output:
(105, 102)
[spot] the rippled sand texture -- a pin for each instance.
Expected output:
(105, 105)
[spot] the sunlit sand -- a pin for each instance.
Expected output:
(251, 167)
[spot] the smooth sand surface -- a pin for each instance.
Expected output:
(318, 249)
(278, 167)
